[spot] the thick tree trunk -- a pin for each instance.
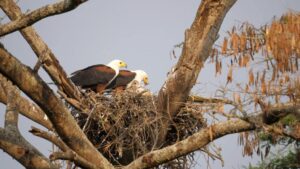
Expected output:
(197, 45)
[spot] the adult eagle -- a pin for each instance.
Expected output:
(97, 77)
(127, 79)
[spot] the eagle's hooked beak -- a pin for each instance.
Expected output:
(146, 80)
(123, 64)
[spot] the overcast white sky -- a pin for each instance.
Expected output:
(142, 33)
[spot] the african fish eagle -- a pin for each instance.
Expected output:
(126, 79)
(97, 77)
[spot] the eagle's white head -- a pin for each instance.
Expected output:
(141, 76)
(117, 64)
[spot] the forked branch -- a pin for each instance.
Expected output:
(43, 52)
(24, 106)
(198, 42)
(12, 142)
(62, 120)
(66, 153)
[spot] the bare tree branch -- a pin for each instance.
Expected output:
(50, 63)
(200, 99)
(61, 118)
(196, 48)
(50, 137)
(202, 138)
(41, 13)
(12, 142)
(24, 106)
(72, 156)
(11, 115)
(197, 45)
(192, 143)
(17, 147)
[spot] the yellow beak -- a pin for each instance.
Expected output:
(146, 81)
(123, 64)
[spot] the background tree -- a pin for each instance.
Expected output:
(243, 43)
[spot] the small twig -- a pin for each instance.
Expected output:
(50, 137)
(200, 99)
(72, 101)
(88, 120)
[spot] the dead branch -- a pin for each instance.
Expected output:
(11, 115)
(67, 152)
(37, 15)
(200, 99)
(281, 131)
(75, 103)
(17, 147)
(50, 137)
(192, 143)
(71, 156)
(198, 42)
(24, 106)
(51, 64)
(200, 139)
(199, 39)
(12, 142)
(65, 125)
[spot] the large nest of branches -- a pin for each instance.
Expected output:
(126, 125)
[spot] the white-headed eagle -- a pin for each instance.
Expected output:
(97, 77)
(127, 79)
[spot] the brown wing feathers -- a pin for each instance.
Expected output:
(124, 77)
(93, 76)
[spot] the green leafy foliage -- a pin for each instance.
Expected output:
(286, 161)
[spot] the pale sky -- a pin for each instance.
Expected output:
(143, 34)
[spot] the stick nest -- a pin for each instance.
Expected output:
(126, 125)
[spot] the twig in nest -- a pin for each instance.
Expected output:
(89, 119)
(72, 102)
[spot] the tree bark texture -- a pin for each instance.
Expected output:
(17, 147)
(63, 122)
(24, 106)
(196, 48)
(43, 52)
(12, 142)
(191, 144)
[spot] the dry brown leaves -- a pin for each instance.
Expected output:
(270, 54)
